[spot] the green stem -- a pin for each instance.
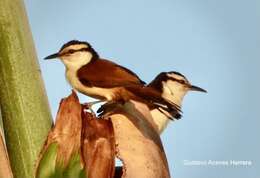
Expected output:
(24, 105)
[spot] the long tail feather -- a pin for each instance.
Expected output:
(151, 95)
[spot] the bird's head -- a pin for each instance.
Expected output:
(173, 85)
(177, 81)
(75, 53)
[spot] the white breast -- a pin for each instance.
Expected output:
(160, 119)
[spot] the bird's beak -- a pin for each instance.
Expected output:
(53, 56)
(195, 88)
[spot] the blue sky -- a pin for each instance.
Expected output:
(215, 44)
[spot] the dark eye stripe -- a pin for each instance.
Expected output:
(71, 51)
(178, 80)
(84, 49)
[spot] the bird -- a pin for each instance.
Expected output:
(103, 79)
(173, 86)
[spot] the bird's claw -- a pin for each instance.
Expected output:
(87, 106)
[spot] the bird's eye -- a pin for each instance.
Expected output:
(71, 51)
(182, 81)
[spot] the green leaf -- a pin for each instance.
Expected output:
(50, 168)
(74, 168)
(47, 165)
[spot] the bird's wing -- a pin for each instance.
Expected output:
(104, 73)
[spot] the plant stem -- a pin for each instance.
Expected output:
(25, 110)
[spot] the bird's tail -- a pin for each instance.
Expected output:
(153, 98)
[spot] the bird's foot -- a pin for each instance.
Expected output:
(88, 106)
(108, 106)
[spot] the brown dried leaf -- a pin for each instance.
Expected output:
(76, 131)
(138, 143)
(98, 147)
(5, 167)
(67, 130)
(131, 134)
